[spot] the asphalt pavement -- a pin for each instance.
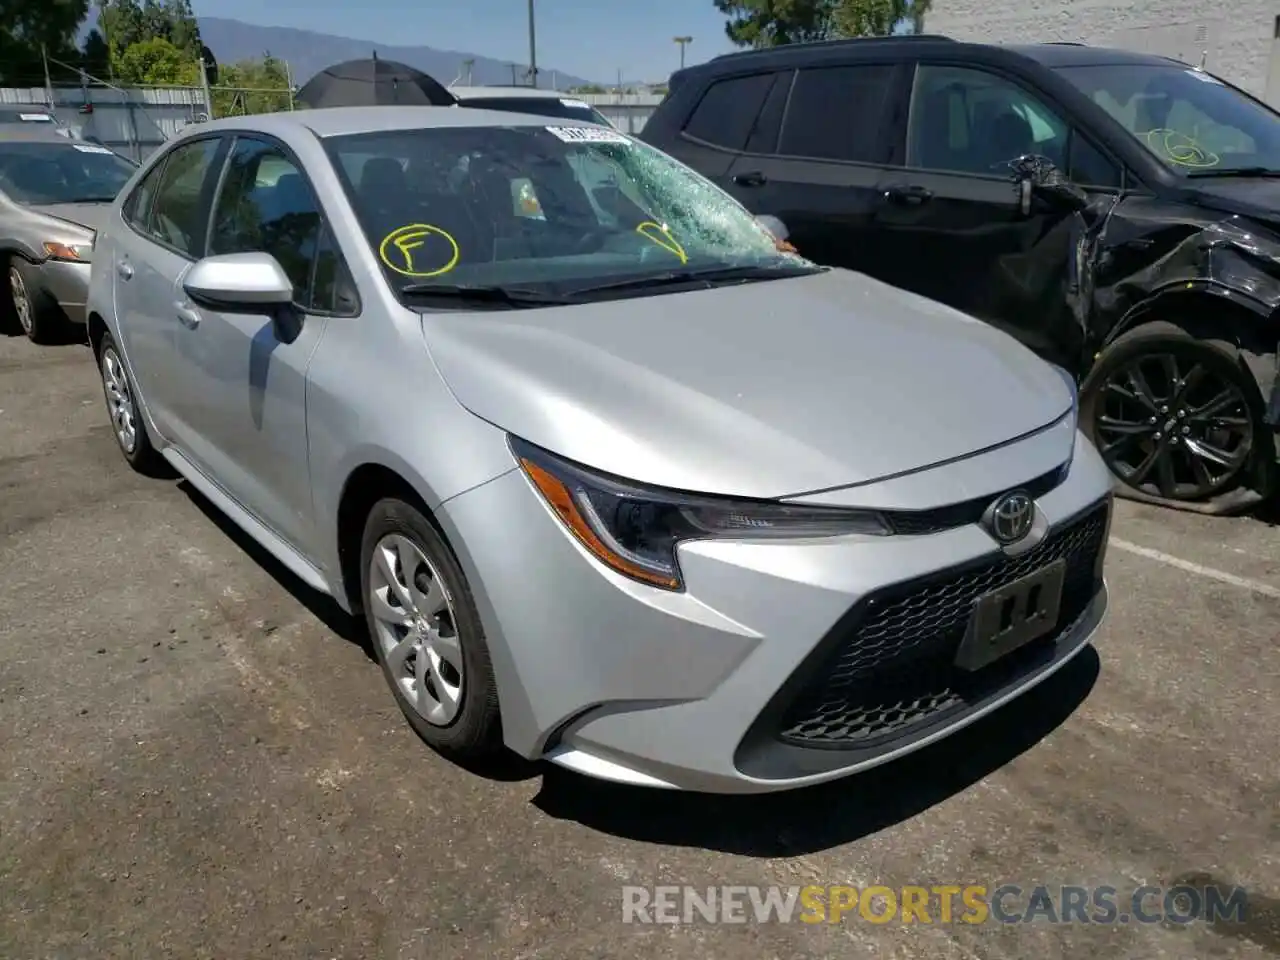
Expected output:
(200, 760)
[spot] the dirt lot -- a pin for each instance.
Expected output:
(201, 761)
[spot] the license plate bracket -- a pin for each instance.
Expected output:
(1012, 616)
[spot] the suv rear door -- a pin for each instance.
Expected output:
(818, 152)
(720, 125)
(950, 223)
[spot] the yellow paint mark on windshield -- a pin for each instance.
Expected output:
(400, 250)
(660, 235)
(1180, 149)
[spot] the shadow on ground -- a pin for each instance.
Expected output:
(772, 825)
(818, 818)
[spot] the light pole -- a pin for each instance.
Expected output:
(683, 42)
(533, 50)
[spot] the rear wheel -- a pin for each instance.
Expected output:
(1177, 418)
(122, 406)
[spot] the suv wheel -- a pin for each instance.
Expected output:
(1175, 417)
(426, 632)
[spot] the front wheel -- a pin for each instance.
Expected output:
(122, 406)
(426, 632)
(1177, 418)
(38, 318)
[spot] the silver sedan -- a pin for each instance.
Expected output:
(53, 194)
(614, 478)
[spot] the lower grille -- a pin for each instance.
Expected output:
(892, 674)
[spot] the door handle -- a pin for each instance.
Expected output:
(124, 270)
(187, 315)
(912, 194)
(753, 179)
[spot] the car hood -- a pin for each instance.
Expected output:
(87, 215)
(767, 389)
(1257, 197)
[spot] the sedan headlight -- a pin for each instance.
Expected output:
(635, 530)
(69, 252)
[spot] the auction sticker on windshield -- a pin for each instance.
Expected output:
(90, 148)
(587, 135)
(1204, 77)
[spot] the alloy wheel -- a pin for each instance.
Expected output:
(1173, 426)
(416, 629)
(21, 300)
(124, 417)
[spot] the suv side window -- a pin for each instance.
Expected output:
(965, 120)
(266, 204)
(176, 217)
(836, 113)
(728, 110)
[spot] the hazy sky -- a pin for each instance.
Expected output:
(588, 38)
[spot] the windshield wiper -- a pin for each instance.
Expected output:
(511, 296)
(1235, 172)
(707, 276)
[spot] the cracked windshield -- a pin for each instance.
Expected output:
(553, 209)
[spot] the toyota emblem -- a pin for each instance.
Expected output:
(1011, 517)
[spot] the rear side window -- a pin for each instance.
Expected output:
(728, 110)
(836, 113)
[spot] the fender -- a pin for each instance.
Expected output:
(1174, 298)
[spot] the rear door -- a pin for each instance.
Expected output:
(817, 155)
(166, 219)
(950, 221)
(721, 124)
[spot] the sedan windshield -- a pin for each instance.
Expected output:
(38, 172)
(1188, 120)
(567, 108)
(538, 211)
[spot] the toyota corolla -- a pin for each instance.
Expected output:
(614, 478)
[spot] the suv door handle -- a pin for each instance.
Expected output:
(124, 270)
(753, 179)
(912, 193)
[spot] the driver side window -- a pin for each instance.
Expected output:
(970, 121)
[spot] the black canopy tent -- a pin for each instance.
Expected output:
(373, 82)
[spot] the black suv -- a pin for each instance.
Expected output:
(1119, 213)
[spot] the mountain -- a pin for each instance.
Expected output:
(307, 53)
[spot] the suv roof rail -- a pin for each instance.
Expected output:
(843, 41)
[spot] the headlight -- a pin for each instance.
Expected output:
(635, 530)
(70, 252)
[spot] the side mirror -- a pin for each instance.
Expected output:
(252, 282)
(773, 225)
(1038, 176)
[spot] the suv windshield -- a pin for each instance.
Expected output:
(1190, 121)
(569, 109)
(549, 211)
(38, 172)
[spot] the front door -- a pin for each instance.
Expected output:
(951, 220)
(165, 227)
(245, 396)
(821, 178)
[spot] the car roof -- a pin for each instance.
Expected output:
(36, 134)
(340, 121)
(523, 93)
(1045, 54)
(1082, 55)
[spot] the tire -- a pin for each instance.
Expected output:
(122, 407)
(32, 309)
(472, 731)
(1111, 411)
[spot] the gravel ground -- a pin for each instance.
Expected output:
(200, 760)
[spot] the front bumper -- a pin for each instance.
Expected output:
(66, 284)
(730, 686)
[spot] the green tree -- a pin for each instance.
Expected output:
(155, 62)
(771, 23)
(29, 26)
(128, 22)
(876, 18)
(252, 86)
(95, 56)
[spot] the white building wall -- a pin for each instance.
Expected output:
(1236, 38)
